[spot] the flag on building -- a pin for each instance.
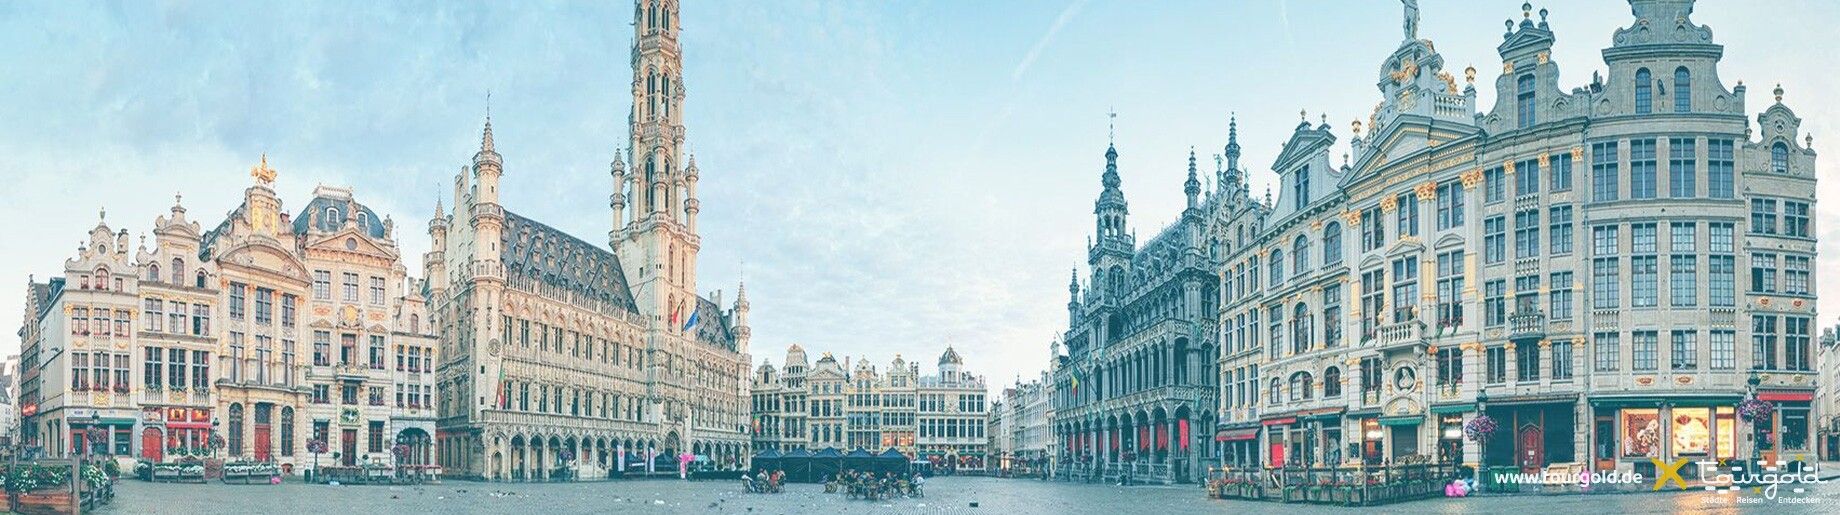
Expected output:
(691, 322)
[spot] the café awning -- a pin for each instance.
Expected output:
(1234, 435)
(1407, 420)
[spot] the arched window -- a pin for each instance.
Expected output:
(415, 324)
(153, 273)
(1332, 243)
(651, 192)
(1332, 382)
(1300, 255)
(236, 430)
(1301, 322)
(1523, 98)
(364, 222)
(1779, 157)
(1683, 90)
(1277, 266)
(178, 270)
(102, 278)
(330, 220)
(200, 279)
(1644, 95)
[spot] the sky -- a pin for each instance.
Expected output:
(889, 177)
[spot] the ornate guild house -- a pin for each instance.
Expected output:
(565, 359)
(1606, 270)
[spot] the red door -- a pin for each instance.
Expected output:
(261, 442)
(1531, 453)
(153, 445)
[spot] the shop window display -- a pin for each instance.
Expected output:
(1641, 433)
(1692, 431)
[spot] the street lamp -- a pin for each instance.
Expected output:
(1482, 441)
(1756, 440)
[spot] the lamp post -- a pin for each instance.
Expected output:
(1482, 439)
(316, 446)
(1756, 440)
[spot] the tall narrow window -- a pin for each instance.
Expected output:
(1408, 214)
(1524, 99)
(1683, 90)
(1779, 157)
(1302, 190)
(1300, 255)
(1683, 179)
(1604, 172)
(1332, 244)
(1449, 205)
(1719, 166)
(1644, 91)
(1561, 172)
(1642, 176)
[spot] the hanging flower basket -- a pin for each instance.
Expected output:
(1753, 409)
(1480, 427)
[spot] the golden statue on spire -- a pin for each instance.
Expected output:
(262, 172)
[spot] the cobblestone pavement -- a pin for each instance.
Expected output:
(945, 495)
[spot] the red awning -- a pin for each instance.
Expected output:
(1234, 435)
(1786, 396)
(1280, 421)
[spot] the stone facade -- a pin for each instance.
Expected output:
(213, 357)
(1571, 263)
(566, 359)
(1019, 434)
(1134, 393)
(941, 418)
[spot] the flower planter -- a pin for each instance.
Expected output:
(46, 501)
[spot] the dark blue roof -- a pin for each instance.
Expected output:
(326, 214)
(712, 324)
(539, 256)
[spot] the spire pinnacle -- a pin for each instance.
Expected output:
(1111, 126)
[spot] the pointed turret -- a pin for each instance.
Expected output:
(617, 200)
(1233, 177)
(1193, 186)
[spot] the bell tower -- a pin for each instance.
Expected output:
(654, 196)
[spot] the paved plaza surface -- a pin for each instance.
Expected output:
(945, 495)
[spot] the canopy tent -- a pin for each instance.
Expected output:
(827, 462)
(766, 460)
(860, 459)
(891, 460)
(797, 464)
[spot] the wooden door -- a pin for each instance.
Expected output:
(348, 439)
(262, 435)
(1530, 453)
(153, 445)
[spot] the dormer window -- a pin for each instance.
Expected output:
(1302, 187)
(1523, 98)
(364, 222)
(331, 219)
(153, 273)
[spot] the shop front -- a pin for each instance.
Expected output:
(1278, 440)
(1239, 445)
(1630, 434)
(1537, 431)
(1788, 434)
(1370, 441)
(1449, 426)
(1403, 431)
(114, 435)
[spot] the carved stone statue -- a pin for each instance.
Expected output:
(1411, 22)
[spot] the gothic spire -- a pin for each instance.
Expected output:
(1193, 186)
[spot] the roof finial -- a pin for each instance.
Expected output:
(1111, 126)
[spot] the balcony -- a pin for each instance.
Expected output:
(1525, 327)
(1410, 332)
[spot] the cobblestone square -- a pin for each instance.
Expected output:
(945, 495)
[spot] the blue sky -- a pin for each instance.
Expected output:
(896, 176)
